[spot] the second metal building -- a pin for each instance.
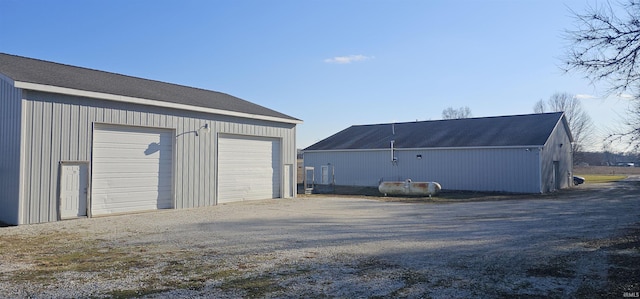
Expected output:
(520, 153)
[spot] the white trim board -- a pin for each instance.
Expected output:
(148, 102)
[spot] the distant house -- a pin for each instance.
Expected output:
(78, 142)
(521, 154)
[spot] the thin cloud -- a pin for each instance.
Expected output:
(585, 97)
(347, 59)
(626, 96)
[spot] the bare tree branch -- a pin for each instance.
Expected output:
(539, 107)
(606, 47)
(580, 122)
(451, 113)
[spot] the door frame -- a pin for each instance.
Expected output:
(87, 165)
(287, 181)
(557, 176)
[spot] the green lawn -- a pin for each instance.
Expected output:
(601, 178)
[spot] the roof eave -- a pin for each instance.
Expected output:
(147, 102)
(428, 148)
(565, 124)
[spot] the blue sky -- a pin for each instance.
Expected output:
(331, 63)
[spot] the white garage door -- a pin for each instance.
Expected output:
(248, 168)
(131, 169)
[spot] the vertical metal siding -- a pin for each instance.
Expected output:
(507, 170)
(10, 120)
(59, 127)
(554, 152)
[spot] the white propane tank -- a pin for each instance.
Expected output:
(410, 188)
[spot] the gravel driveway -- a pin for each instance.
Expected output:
(578, 243)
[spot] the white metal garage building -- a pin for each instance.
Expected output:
(517, 153)
(77, 142)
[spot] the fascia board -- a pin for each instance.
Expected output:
(429, 148)
(147, 102)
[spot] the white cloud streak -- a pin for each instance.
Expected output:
(347, 59)
(585, 97)
(626, 96)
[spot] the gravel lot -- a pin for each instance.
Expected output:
(578, 243)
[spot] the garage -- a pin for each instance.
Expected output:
(248, 169)
(82, 142)
(132, 169)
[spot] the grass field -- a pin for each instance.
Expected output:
(601, 178)
(604, 174)
(606, 170)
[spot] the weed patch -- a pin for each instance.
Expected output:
(253, 286)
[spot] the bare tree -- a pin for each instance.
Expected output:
(451, 113)
(580, 122)
(606, 47)
(539, 107)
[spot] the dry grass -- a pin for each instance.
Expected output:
(605, 174)
(47, 256)
(597, 179)
(606, 170)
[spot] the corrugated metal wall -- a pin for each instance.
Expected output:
(493, 169)
(10, 115)
(553, 151)
(59, 128)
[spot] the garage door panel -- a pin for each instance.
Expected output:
(134, 153)
(132, 169)
(127, 181)
(124, 199)
(132, 141)
(128, 156)
(126, 195)
(248, 168)
(124, 206)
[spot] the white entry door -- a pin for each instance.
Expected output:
(73, 190)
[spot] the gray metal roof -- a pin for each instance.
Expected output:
(501, 131)
(36, 71)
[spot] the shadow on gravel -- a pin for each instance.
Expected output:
(557, 245)
(2, 224)
(624, 263)
(580, 243)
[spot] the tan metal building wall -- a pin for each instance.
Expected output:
(477, 169)
(556, 162)
(59, 128)
(10, 112)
